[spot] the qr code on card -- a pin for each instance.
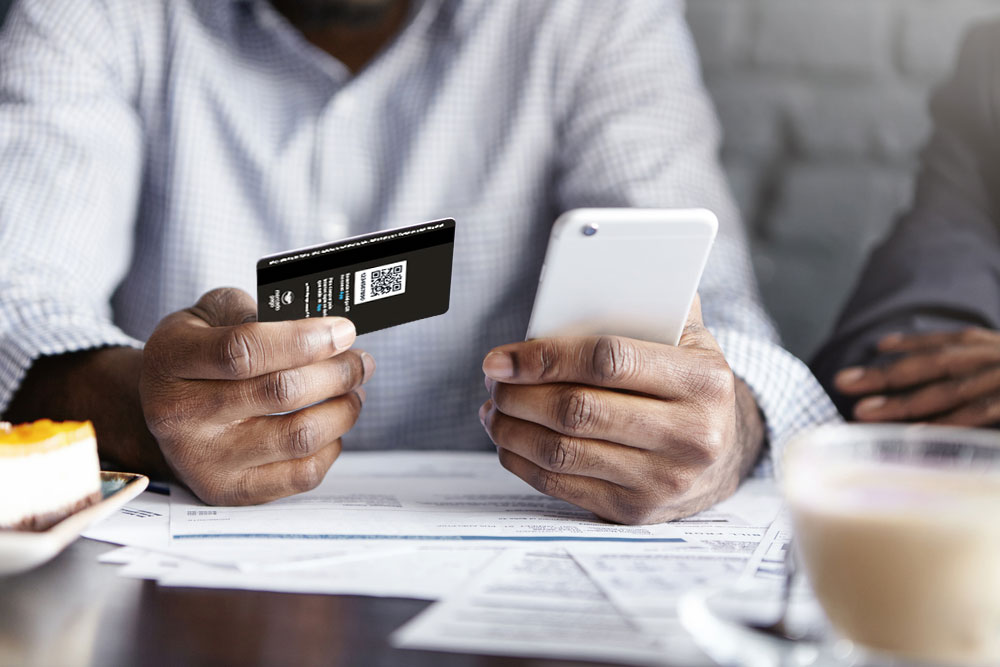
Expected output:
(380, 282)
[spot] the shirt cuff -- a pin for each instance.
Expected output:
(20, 346)
(789, 396)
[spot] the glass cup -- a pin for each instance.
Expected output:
(898, 530)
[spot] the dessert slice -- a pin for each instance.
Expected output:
(48, 470)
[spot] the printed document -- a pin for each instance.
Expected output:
(410, 495)
(533, 604)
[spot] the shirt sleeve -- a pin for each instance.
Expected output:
(70, 162)
(637, 130)
(939, 269)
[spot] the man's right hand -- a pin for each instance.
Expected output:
(213, 379)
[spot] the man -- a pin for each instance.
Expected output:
(150, 152)
(918, 340)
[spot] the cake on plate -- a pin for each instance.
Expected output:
(48, 470)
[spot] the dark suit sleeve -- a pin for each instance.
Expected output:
(940, 267)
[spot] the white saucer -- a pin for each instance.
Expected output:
(21, 550)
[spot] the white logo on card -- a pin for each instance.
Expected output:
(279, 298)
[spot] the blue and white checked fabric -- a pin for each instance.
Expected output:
(151, 151)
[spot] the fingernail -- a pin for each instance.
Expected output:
(490, 383)
(850, 375)
(368, 363)
(870, 404)
(498, 365)
(343, 333)
(362, 394)
(483, 409)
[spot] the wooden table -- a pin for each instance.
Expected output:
(75, 611)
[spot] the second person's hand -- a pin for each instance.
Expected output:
(948, 378)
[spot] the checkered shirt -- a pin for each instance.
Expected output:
(153, 150)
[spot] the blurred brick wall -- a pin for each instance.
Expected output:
(824, 104)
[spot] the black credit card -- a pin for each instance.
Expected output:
(376, 280)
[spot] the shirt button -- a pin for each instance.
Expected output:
(265, 15)
(334, 227)
(344, 104)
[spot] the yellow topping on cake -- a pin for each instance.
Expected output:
(41, 436)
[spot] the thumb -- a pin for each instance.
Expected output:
(226, 306)
(695, 334)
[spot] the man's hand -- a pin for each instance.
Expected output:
(213, 379)
(636, 432)
(944, 378)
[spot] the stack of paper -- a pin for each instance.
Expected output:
(516, 572)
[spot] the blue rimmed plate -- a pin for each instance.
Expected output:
(22, 550)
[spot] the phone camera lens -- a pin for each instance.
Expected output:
(589, 230)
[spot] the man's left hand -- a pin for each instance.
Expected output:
(636, 432)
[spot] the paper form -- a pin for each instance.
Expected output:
(426, 572)
(646, 585)
(410, 495)
(767, 564)
(534, 604)
(767, 570)
(143, 526)
(143, 522)
(517, 572)
(756, 503)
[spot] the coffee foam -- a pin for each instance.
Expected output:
(875, 490)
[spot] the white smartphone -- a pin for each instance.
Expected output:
(622, 271)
